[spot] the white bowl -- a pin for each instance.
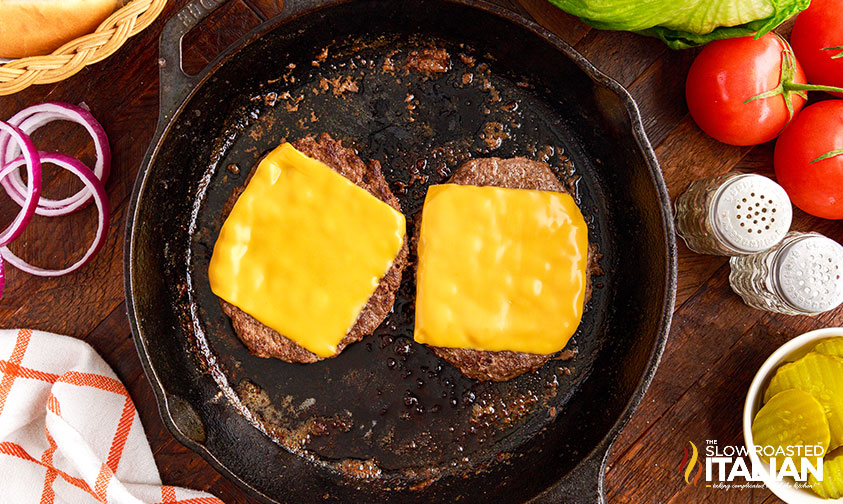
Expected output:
(790, 351)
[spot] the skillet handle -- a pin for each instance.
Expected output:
(583, 485)
(175, 83)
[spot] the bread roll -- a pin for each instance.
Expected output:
(38, 27)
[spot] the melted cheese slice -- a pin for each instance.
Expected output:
(500, 269)
(303, 250)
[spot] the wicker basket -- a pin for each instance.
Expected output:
(129, 20)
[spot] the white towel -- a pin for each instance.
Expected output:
(69, 432)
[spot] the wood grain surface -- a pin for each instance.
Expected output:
(716, 343)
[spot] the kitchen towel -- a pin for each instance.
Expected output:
(69, 432)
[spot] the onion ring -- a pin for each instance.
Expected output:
(96, 189)
(32, 118)
(32, 161)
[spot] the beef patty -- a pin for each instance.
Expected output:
(265, 342)
(515, 173)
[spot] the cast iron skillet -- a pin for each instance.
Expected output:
(387, 420)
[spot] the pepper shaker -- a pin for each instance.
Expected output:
(733, 214)
(799, 276)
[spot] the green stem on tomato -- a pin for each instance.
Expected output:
(812, 87)
(828, 155)
(837, 48)
(787, 87)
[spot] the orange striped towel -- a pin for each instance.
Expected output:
(69, 431)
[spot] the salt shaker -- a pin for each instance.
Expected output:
(733, 214)
(799, 276)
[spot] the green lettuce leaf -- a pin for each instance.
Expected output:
(685, 23)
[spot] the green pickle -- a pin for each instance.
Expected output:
(821, 376)
(831, 487)
(832, 346)
(791, 418)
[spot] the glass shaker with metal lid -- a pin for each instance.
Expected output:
(802, 275)
(733, 214)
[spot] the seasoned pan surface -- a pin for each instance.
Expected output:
(388, 401)
(422, 91)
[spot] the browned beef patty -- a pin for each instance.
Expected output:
(515, 173)
(265, 342)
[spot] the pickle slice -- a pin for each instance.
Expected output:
(790, 418)
(832, 346)
(831, 487)
(822, 376)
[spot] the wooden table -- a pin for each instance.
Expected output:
(716, 344)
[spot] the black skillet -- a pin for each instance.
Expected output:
(387, 420)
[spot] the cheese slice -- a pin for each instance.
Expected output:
(500, 269)
(303, 250)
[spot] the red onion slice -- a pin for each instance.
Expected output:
(96, 189)
(29, 203)
(32, 118)
(2, 276)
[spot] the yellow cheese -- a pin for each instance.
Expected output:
(500, 269)
(303, 250)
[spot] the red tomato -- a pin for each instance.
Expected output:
(816, 32)
(729, 72)
(814, 186)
